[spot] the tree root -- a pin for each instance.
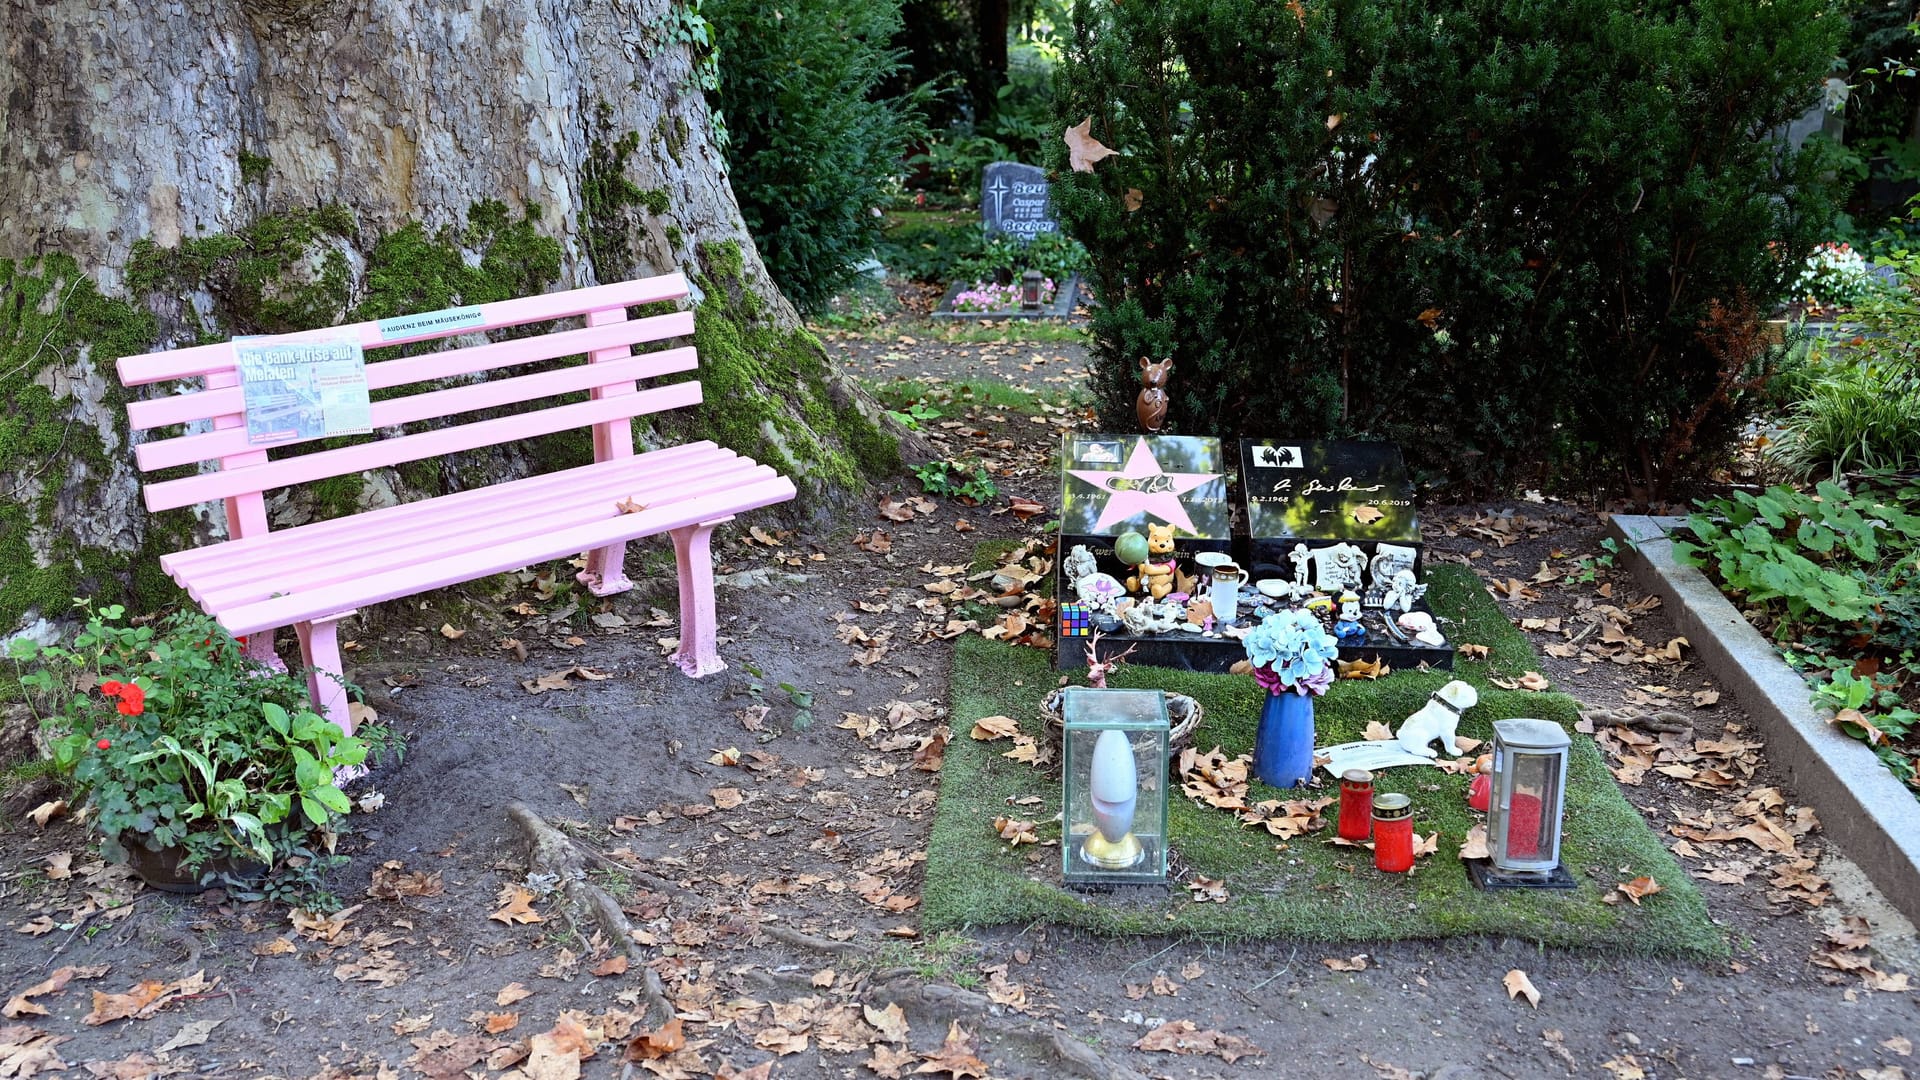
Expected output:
(586, 906)
(1665, 721)
(931, 1001)
(949, 1003)
(807, 941)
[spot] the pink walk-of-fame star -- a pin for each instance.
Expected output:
(1142, 487)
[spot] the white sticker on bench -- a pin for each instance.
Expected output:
(431, 322)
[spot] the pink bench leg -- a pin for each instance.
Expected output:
(320, 650)
(606, 572)
(259, 649)
(697, 655)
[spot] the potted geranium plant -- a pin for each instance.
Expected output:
(1292, 656)
(196, 763)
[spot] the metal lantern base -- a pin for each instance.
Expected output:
(1486, 877)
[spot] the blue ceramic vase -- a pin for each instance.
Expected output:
(1283, 747)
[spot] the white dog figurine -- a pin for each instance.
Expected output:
(1439, 719)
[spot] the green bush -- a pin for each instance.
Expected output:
(1857, 400)
(1517, 237)
(813, 152)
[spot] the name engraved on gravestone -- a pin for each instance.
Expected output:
(1327, 490)
(1013, 200)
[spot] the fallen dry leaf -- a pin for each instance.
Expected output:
(1207, 890)
(516, 906)
(649, 1045)
(47, 811)
(1185, 1037)
(192, 1033)
(1475, 844)
(1639, 888)
(1517, 984)
(890, 1022)
(1353, 963)
(1378, 732)
(499, 1022)
(144, 999)
(988, 728)
(511, 993)
(932, 752)
(1014, 831)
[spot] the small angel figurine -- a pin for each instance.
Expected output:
(1403, 593)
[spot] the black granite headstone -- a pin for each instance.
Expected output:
(1013, 201)
(1112, 484)
(1330, 510)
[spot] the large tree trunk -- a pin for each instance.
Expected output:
(209, 167)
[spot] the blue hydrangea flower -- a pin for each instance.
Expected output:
(1293, 646)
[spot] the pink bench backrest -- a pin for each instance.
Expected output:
(609, 377)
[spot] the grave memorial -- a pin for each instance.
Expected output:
(1140, 508)
(1147, 554)
(1336, 517)
(1014, 201)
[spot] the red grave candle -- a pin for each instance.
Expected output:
(1393, 833)
(1356, 804)
(1523, 827)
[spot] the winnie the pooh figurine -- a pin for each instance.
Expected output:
(1155, 576)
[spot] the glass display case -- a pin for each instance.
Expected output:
(1114, 784)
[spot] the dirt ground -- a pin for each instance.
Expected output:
(770, 875)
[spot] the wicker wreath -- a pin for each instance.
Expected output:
(1183, 717)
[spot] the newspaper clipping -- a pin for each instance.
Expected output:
(303, 389)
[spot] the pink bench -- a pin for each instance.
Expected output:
(312, 576)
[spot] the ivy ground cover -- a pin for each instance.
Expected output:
(1833, 576)
(1309, 889)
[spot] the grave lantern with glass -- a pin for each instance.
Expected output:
(1114, 779)
(1528, 798)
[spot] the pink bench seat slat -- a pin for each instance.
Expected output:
(352, 459)
(205, 359)
(434, 573)
(315, 538)
(520, 509)
(492, 394)
(222, 401)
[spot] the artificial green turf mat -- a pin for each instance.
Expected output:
(1312, 890)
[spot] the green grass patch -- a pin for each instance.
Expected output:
(1006, 331)
(953, 399)
(1309, 890)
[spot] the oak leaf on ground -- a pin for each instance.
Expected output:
(1186, 1037)
(1518, 984)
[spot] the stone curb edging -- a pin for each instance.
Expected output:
(1863, 808)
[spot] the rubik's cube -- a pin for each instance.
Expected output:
(1075, 621)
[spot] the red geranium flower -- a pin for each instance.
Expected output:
(133, 700)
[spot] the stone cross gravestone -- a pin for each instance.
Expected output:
(1013, 201)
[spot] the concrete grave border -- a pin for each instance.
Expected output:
(1862, 807)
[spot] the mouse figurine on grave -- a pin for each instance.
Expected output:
(1151, 405)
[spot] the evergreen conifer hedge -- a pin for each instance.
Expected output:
(814, 144)
(1517, 236)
